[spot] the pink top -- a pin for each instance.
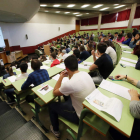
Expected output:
(122, 39)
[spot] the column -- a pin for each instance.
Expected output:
(99, 21)
(132, 14)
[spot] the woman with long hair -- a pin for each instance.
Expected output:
(134, 40)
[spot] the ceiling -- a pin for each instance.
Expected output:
(83, 12)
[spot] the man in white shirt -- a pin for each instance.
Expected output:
(9, 92)
(64, 55)
(79, 86)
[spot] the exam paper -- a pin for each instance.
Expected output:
(126, 47)
(126, 52)
(88, 63)
(112, 106)
(56, 77)
(127, 63)
(12, 78)
(115, 88)
(83, 67)
(62, 66)
(43, 92)
(130, 60)
(29, 67)
(44, 67)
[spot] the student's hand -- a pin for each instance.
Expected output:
(138, 43)
(119, 77)
(133, 39)
(93, 52)
(64, 74)
(133, 93)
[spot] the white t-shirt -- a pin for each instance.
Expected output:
(65, 56)
(78, 87)
(111, 52)
(21, 76)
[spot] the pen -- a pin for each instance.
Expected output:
(116, 80)
(4, 80)
(43, 87)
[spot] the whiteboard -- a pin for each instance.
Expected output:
(2, 43)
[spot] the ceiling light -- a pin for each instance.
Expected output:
(104, 8)
(71, 5)
(86, 5)
(57, 12)
(75, 13)
(56, 5)
(43, 5)
(119, 6)
(46, 11)
(67, 12)
(99, 5)
(116, 4)
(87, 13)
(78, 15)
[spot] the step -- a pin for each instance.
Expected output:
(3, 107)
(28, 131)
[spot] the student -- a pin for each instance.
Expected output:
(74, 48)
(128, 39)
(79, 86)
(59, 53)
(111, 52)
(104, 64)
(136, 50)
(134, 108)
(134, 40)
(115, 36)
(68, 49)
(55, 61)
(43, 58)
(2, 70)
(64, 56)
(135, 31)
(10, 73)
(84, 54)
(89, 48)
(91, 38)
(120, 38)
(122, 33)
(76, 53)
(9, 92)
(36, 57)
(36, 78)
(100, 38)
(110, 36)
(138, 64)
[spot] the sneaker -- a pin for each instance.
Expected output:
(56, 133)
(11, 102)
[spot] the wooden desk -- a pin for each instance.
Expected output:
(3, 56)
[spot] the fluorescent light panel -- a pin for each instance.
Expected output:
(57, 12)
(43, 5)
(46, 11)
(97, 6)
(87, 13)
(84, 6)
(116, 4)
(56, 5)
(119, 6)
(67, 12)
(76, 13)
(104, 8)
(71, 5)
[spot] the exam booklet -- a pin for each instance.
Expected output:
(45, 89)
(112, 106)
(12, 78)
(56, 77)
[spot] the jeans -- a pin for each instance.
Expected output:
(9, 93)
(65, 110)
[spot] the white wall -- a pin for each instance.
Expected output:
(116, 24)
(40, 28)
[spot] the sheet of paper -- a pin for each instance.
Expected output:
(116, 89)
(47, 60)
(44, 67)
(29, 64)
(12, 78)
(18, 69)
(127, 63)
(126, 47)
(130, 60)
(29, 67)
(56, 77)
(88, 63)
(62, 66)
(126, 52)
(83, 67)
(43, 91)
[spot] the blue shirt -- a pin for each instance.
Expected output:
(37, 77)
(7, 75)
(127, 41)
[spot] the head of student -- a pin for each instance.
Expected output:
(76, 53)
(71, 64)
(137, 36)
(129, 35)
(63, 52)
(53, 55)
(120, 36)
(116, 34)
(23, 67)
(122, 32)
(35, 64)
(109, 34)
(101, 48)
(34, 57)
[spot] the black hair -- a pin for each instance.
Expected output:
(76, 53)
(135, 39)
(116, 32)
(135, 32)
(23, 66)
(122, 31)
(35, 64)
(109, 33)
(129, 35)
(82, 48)
(76, 47)
(71, 63)
(35, 57)
(101, 47)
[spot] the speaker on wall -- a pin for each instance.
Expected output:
(26, 36)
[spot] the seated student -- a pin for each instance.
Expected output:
(59, 53)
(91, 38)
(36, 57)
(136, 50)
(111, 52)
(110, 36)
(93, 44)
(134, 108)
(138, 64)
(37, 77)
(10, 73)
(135, 31)
(2, 70)
(87, 37)
(122, 33)
(74, 48)
(120, 38)
(77, 54)
(9, 92)
(79, 86)
(100, 38)
(64, 56)
(134, 40)
(89, 48)
(68, 49)
(128, 39)
(43, 58)
(104, 64)
(55, 61)
(115, 36)
(84, 54)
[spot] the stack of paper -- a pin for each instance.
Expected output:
(43, 91)
(130, 60)
(112, 106)
(88, 63)
(126, 52)
(12, 78)
(56, 77)
(126, 47)
(83, 67)
(116, 89)
(44, 67)
(62, 66)
(127, 63)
